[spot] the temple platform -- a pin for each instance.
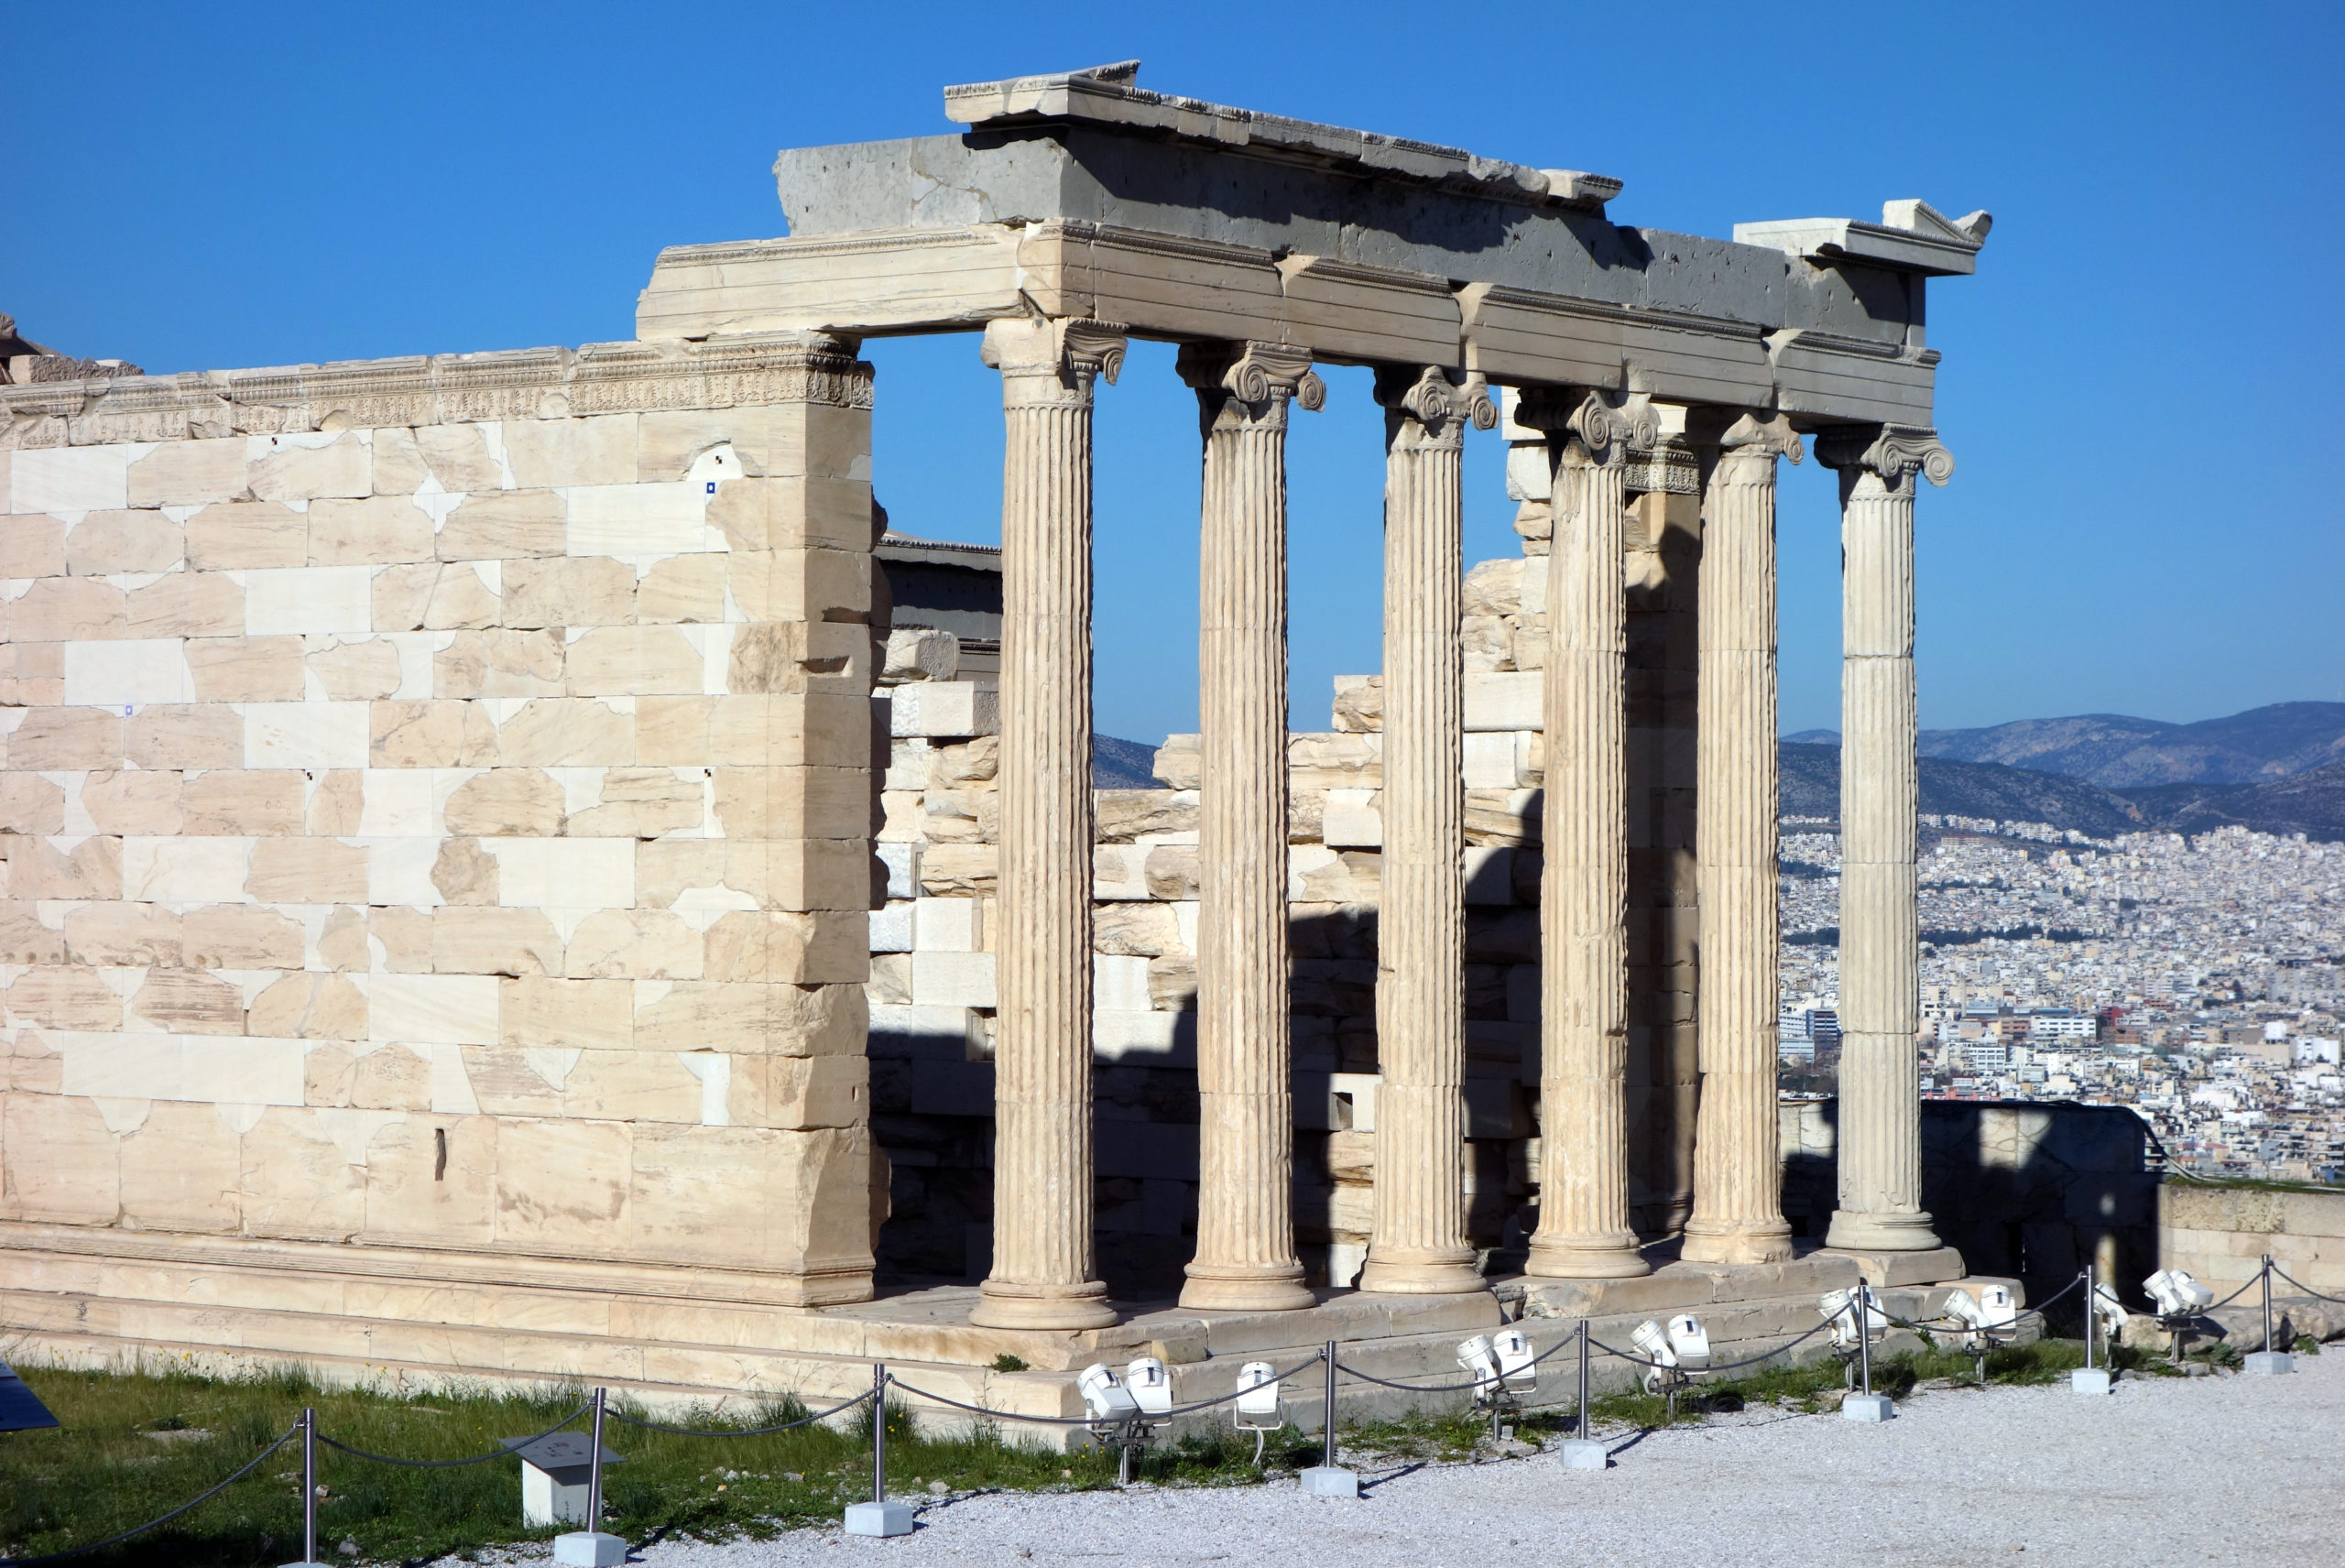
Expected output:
(369, 1316)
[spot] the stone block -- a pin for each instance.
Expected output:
(500, 664)
(571, 452)
(186, 604)
(55, 740)
(591, 1015)
(32, 547)
(244, 670)
(189, 1001)
(569, 590)
(507, 525)
(303, 467)
(38, 868)
(232, 536)
(68, 609)
(562, 1186)
(376, 531)
(240, 802)
(961, 868)
(307, 871)
(637, 945)
(944, 708)
(196, 735)
(63, 1162)
(65, 996)
(124, 542)
(684, 588)
(1509, 700)
(306, 600)
(432, 1183)
(69, 479)
(431, 734)
(182, 1170)
(947, 979)
(241, 937)
(309, 1007)
(588, 874)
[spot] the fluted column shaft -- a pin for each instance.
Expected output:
(1419, 1244)
(1043, 1266)
(1880, 1131)
(1584, 1230)
(1738, 1164)
(1245, 1258)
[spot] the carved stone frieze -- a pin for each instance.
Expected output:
(777, 367)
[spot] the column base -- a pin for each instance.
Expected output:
(1853, 1231)
(1587, 1257)
(1239, 1288)
(1003, 1305)
(1714, 1243)
(1444, 1273)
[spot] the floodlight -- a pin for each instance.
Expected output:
(1104, 1398)
(1965, 1311)
(1689, 1342)
(1653, 1341)
(2110, 1311)
(1518, 1365)
(1846, 1310)
(2177, 1295)
(1474, 1355)
(1150, 1389)
(1996, 1307)
(1260, 1399)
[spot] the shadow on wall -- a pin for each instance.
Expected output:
(2023, 1189)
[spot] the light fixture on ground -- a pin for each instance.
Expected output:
(2179, 1300)
(1117, 1420)
(1504, 1369)
(1261, 1404)
(1677, 1349)
(1857, 1320)
(1988, 1321)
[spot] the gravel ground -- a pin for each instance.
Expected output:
(2230, 1470)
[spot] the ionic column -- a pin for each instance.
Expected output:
(1245, 1258)
(1880, 1110)
(1738, 1164)
(1584, 1231)
(1043, 1270)
(1419, 1243)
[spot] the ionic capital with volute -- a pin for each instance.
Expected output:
(1252, 382)
(1052, 360)
(1890, 453)
(1438, 403)
(1601, 429)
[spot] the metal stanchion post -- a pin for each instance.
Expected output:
(592, 1547)
(1327, 1478)
(2271, 1358)
(1865, 1405)
(879, 1516)
(308, 1425)
(1583, 1451)
(2088, 1379)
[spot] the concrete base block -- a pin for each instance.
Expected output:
(1582, 1453)
(1326, 1481)
(2094, 1382)
(589, 1548)
(2270, 1363)
(878, 1519)
(1868, 1408)
(305, 1565)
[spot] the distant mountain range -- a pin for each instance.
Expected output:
(2277, 769)
(2117, 752)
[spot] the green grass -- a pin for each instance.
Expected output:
(102, 1472)
(105, 1471)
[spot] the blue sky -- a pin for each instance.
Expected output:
(2140, 386)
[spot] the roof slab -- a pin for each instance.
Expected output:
(1083, 195)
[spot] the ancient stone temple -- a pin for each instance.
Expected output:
(480, 843)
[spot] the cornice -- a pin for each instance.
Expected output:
(541, 383)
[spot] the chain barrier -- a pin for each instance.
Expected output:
(1631, 1355)
(1314, 1358)
(1562, 1344)
(2307, 1290)
(140, 1529)
(456, 1464)
(861, 1399)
